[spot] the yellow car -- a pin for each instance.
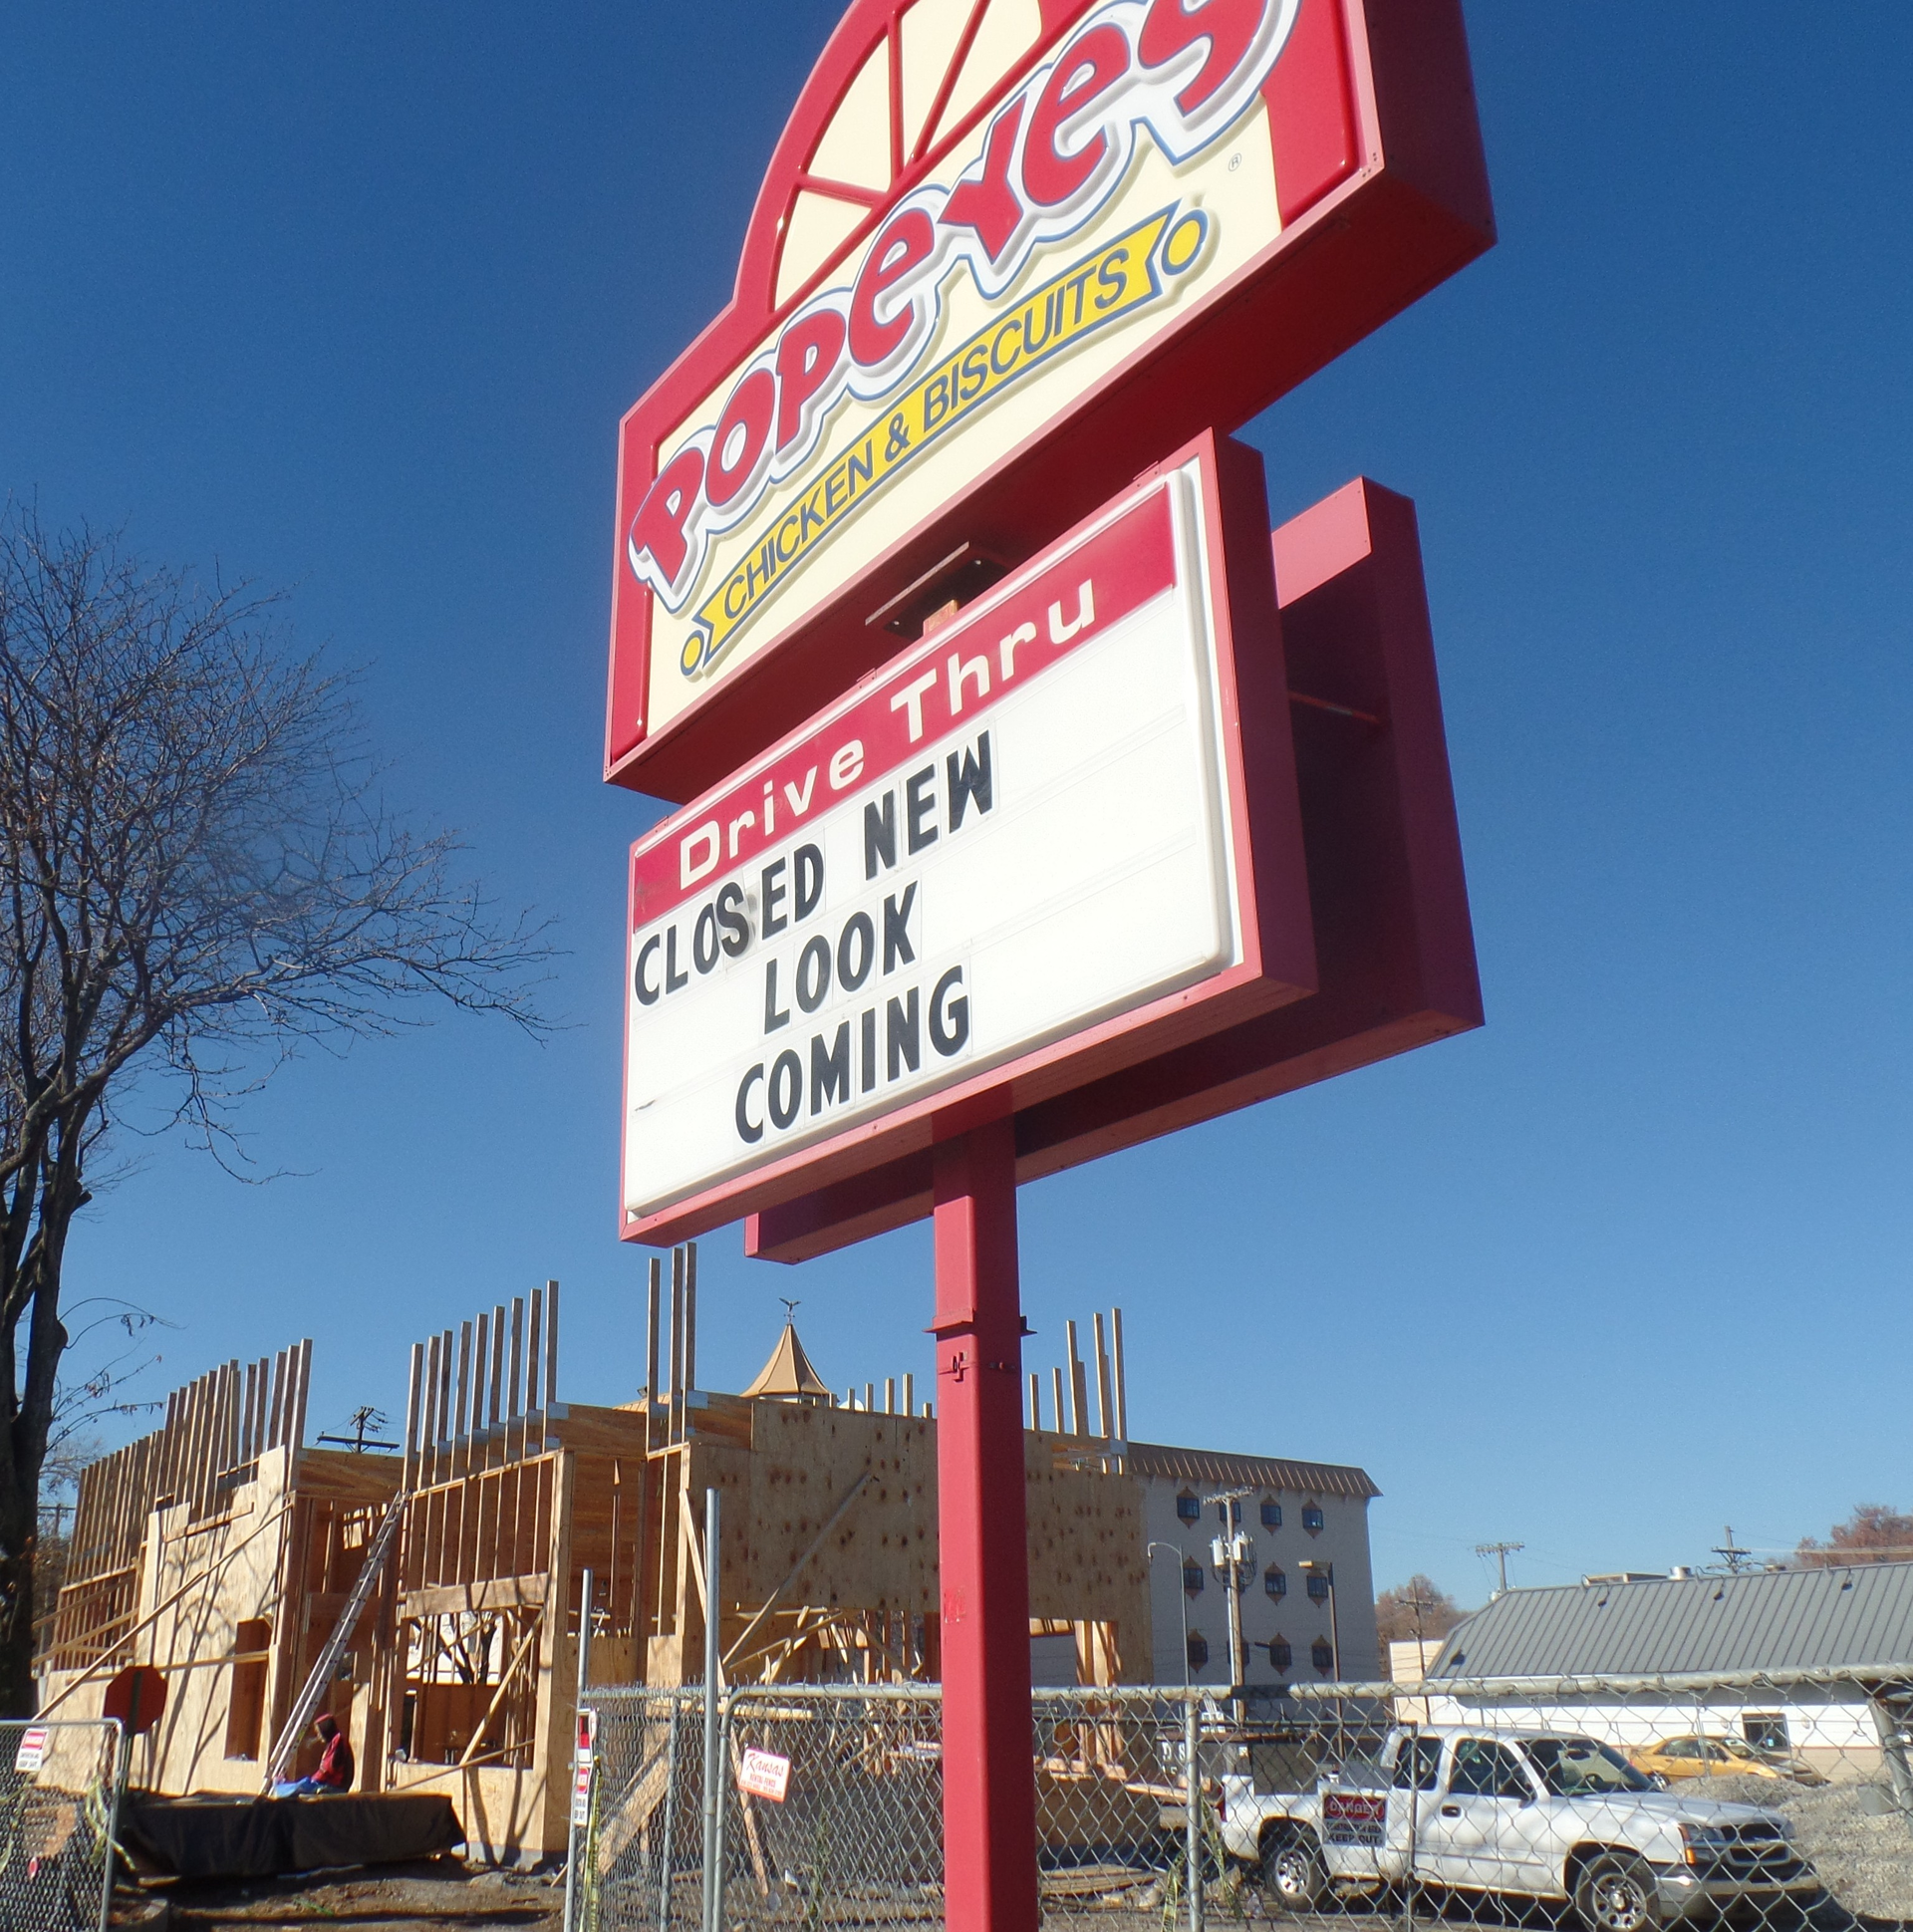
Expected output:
(1709, 1756)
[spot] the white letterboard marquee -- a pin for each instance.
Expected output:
(1021, 828)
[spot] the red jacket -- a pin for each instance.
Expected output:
(336, 1767)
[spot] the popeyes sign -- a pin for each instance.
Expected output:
(991, 222)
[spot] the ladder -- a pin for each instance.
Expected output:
(307, 1703)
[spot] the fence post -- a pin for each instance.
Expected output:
(1193, 1808)
(713, 1786)
(667, 1860)
(571, 1766)
(122, 1764)
(724, 1800)
(1894, 1749)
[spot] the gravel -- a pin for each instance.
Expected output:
(1865, 1861)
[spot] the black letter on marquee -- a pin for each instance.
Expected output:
(857, 925)
(972, 781)
(788, 1075)
(745, 1131)
(813, 973)
(920, 802)
(897, 929)
(772, 1017)
(703, 956)
(880, 834)
(869, 1049)
(948, 1016)
(731, 916)
(810, 880)
(774, 921)
(646, 995)
(829, 1072)
(672, 977)
(902, 1033)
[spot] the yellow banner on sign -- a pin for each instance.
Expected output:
(1117, 279)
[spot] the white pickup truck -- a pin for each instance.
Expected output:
(1532, 1815)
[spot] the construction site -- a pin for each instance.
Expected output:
(430, 1599)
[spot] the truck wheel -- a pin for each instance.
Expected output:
(1294, 1874)
(1616, 1893)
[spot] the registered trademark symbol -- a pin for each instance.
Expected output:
(1234, 162)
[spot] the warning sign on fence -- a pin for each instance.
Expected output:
(764, 1774)
(33, 1749)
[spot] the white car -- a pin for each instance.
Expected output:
(1530, 1814)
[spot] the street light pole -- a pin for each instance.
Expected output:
(1182, 1597)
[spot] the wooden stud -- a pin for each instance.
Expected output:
(298, 1432)
(414, 1381)
(534, 1341)
(1105, 1398)
(1122, 1384)
(514, 1395)
(497, 1415)
(690, 1316)
(551, 1348)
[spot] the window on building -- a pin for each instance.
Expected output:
(246, 1708)
(1765, 1731)
(1275, 1583)
(1271, 1515)
(1312, 1518)
(1193, 1578)
(1189, 1507)
(1282, 1653)
(1198, 1650)
(1318, 1585)
(1320, 1655)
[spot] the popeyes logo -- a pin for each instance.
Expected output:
(1053, 156)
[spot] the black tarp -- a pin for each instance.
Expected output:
(213, 1836)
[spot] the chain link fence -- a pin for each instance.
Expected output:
(58, 1785)
(1616, 1805)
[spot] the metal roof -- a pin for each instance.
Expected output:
(1250, 1472)
(1771, 1621)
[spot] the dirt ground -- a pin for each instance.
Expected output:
(436, 1895)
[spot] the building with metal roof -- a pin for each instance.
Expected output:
(1853, 1618)
(1812, 1662)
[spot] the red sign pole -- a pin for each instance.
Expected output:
(989, 1792)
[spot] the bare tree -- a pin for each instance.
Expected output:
(199, 875)
(1416, 1608)
(1874, 1533)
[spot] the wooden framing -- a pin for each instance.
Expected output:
(461, 1673)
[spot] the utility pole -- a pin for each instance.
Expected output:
(1229, 1552)
(1731, 1553)
(360, 1420)
(1502, 1552)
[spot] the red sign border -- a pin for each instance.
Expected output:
(1272, 897)
(1395, 945)
(1386, 195)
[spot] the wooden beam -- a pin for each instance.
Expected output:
(495, 1593)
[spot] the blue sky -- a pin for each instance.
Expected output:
(350, 299)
